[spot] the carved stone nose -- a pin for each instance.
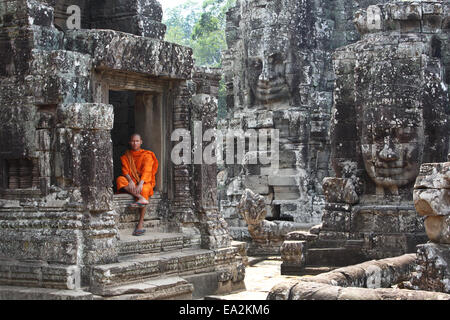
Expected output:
(265, 74)
(388, 154)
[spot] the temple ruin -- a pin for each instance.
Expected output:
(70, 98)
(356, 91)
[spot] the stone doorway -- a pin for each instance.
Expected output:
(143, 113)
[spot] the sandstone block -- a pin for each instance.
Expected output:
(438, 228)
(293, 252)
(433, 268)
(93, 116)
(258, 184)
(432, 202)
(286, 193)
(433, 176)
(283, 180)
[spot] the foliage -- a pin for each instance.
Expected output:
(201, 27)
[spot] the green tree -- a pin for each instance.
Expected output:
(201, 27)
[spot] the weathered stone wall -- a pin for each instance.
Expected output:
(278, 73)
(140, 17)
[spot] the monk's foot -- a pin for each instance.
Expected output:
(142, 200)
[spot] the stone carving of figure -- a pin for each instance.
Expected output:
(267, 77)
(268, 52)
(390, 113)
(391, 146)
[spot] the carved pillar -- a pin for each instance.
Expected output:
(214, 229)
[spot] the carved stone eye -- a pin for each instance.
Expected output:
(276, 58)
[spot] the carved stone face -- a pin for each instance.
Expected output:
(392, 145)
(268, 52)
(267, 77)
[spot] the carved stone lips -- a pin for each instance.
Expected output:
(388, 172)
(271, 89)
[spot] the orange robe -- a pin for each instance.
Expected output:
(146, 167)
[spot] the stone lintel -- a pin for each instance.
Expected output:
(119, 51)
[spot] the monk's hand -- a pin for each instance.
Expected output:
(140, 187)
(132, 186)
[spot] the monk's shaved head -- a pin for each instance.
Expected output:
(135, 135)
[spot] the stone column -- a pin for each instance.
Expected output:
(214, 228)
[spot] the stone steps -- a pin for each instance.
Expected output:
(128, 216)
(150, 242)
(144, 267)
(149, 225)
(153, 289)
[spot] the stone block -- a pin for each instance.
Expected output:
(46, 244)
(433, 176)
(301, 236)
(43, 140)
(38, 274)
(258, 184)
(433, 268)
(92, 116)
(283, 180)
(286, 193)
(438, 228)
(432, 202)
(385, 220)
(338, 206)
(293, 253)
(406, 11)
(138, 25)
(59, 77)
(260, 120)
(337, 220)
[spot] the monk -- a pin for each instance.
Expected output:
(139, 168)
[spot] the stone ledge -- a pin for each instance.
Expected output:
(39, 274)
(119, 51)
(405, 16)
(156, 287)
(28, 293)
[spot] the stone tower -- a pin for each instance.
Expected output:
(279, 75)
(390, 114)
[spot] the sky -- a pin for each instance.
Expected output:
(170, 3)
(167, 4)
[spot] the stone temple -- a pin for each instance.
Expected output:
(356, 91)
(69, 101)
